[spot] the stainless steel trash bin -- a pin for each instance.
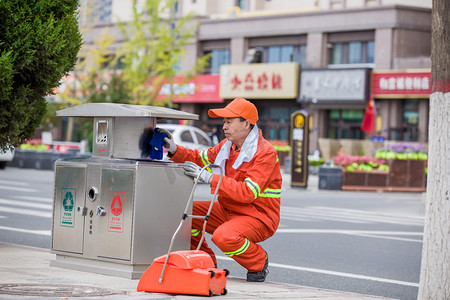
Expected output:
(114, 212)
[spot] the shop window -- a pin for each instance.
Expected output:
(218, 57)
(345, 124)
(352, 52)
(242, 4)
(275, 121)
(276, 54)
(284, 53)
(410, 120)
(370, 51)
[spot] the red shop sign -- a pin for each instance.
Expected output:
(200, 89)
(401, 84)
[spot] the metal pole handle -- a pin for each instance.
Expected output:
(185, 215)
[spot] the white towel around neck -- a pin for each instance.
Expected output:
(248, 151)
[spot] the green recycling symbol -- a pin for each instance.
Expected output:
(68, 201)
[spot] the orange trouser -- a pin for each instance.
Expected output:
(235, 235)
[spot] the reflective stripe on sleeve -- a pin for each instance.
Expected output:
(253, 186)
(204, 157)
(240, 250)
(272, 193)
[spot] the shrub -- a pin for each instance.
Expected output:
(355, 162)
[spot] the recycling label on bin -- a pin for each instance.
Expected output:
(115, 217)
(67, 217)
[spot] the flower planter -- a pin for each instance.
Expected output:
(407, 173)
(361, 180)
(356, 178)
(403, 176)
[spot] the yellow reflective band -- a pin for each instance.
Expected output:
(277, 159)
(240, 250)
(195, 232)
(253, 186)
(204, 157)
(272, 193)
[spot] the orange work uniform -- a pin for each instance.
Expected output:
(248, 207)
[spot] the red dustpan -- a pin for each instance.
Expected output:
(186, 272)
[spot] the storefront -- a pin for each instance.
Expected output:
(402, 101)
(336, 99)
(273, 88)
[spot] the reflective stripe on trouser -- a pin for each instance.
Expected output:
(235, 235)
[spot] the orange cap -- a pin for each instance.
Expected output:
(239, 107)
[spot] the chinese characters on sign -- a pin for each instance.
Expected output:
(259, 81)
(299, 148)
(115, 218)
(201, 88)
(68, 199)
(334, 85)
(401, 84)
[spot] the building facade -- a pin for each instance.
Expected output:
(326, 57)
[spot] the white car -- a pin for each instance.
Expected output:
(188, 136)
(6, 157)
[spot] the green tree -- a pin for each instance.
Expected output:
(155, 44)
(39, 42)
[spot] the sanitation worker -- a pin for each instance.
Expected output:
(248, 208)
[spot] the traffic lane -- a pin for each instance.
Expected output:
(333, 282)
(26, 206)
(411, 204)
(364, 256)
(25, 229)
(347, 263)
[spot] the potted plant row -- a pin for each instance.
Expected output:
(397, 167)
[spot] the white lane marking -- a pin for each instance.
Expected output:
(28, 212)
(25, 204)
(348, 215)
(388, 235)
(39, 199)
(335, 273)
(344, 231)
(10, 182)
(315, 217)
(17, 189)
(390, 238)
(38, 232)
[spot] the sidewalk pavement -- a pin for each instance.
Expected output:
(25, 274)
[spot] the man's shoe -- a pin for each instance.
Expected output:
(261, 275)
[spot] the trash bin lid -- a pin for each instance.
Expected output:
(90, 110)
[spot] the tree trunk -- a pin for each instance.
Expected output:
(435, 270)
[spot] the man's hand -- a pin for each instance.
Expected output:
(169, 143)
(193, 170)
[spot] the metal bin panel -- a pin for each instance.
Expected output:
(93, 192)
(115, 227)
(68, 224)
(162, 192)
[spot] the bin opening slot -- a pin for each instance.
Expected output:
(102, 132)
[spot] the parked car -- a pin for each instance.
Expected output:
(6, 157)
(188, 136)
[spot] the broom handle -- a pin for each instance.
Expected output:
(185, 215)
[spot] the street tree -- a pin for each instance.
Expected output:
(435, 269)
(39, 42)
(155, 44)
